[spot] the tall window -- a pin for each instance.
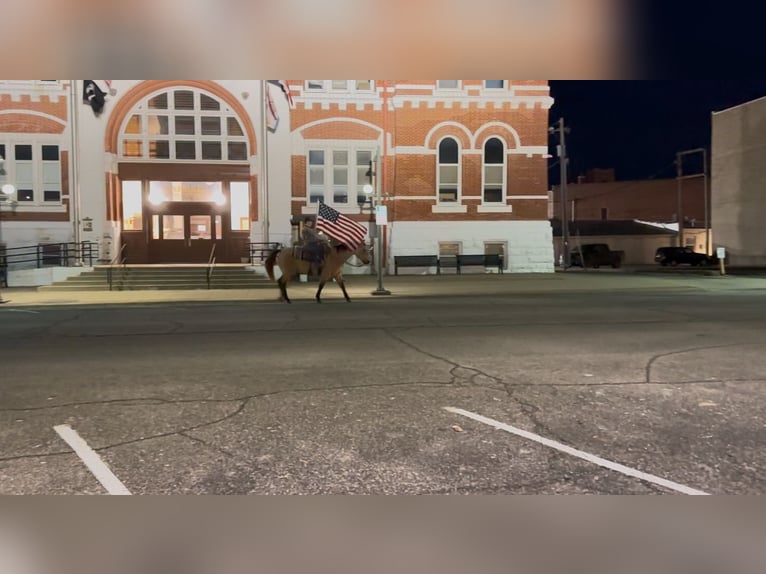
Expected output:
(35, 169)
(494, 171)
(338, 175)
(449, 171)
(448, 84)
(184, 125)
(494, 84)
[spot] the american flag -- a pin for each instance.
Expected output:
(340, 227)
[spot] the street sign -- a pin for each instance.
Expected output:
(381, 215)
(721, 253)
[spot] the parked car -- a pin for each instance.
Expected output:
(680, 255)
(595, 255)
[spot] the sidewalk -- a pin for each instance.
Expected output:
(407, 286)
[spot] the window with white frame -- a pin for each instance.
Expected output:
(448, 84)
(337, 175)
(34, 168)
(340, 85)
(184, 124)
(448, 172)
(494, 171)
(494, 84)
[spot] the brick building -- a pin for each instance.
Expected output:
(172, 167)
(648, 200)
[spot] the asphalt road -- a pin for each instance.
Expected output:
(550, 394)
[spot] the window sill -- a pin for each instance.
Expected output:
(313, 208)
(443, 208)
(495, 209)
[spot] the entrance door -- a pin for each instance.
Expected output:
(179, 237)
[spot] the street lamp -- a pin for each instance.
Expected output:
(372, 191)
(7, 192)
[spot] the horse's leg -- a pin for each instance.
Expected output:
(339, 281)
(322, 283)
(283, 289)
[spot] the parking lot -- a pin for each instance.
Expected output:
(652, 393)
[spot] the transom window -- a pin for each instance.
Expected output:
(338, 175)
(340, 85)
(184, 125)
(35, 170)
(448, 173)
(494, 171)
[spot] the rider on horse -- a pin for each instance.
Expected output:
(313, 246)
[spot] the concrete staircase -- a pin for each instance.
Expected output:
(163, 277)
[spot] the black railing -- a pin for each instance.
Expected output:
(120, 261)
(211, 266)
(259, 252)
(49, 255)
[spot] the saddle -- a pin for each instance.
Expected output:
(311, 252)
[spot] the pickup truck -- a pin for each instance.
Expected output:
(596, 255)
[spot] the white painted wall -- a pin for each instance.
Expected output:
(739, 183)
(530, 243)
(45, 276)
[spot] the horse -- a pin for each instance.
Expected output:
(332, 267)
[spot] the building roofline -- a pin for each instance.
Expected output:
(743, 104)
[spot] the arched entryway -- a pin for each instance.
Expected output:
(183, 184)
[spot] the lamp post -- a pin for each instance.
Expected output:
(7, 192)
(561, 130)
(373, 192)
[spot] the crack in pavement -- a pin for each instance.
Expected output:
(243, 400)
(655, 358)
(461, 372)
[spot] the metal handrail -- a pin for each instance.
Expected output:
(110, 270)
(211, 265)
(63, 254)
(261, 249)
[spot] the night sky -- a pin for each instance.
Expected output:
(637, 127)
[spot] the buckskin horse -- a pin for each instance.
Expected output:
(332, 267)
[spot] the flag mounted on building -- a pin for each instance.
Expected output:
(282, 84)
(339, 227)
(272, 115)
(93, 96)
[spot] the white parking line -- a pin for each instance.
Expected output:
(578, 453)
(91, 459)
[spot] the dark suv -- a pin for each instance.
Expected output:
(680, 255)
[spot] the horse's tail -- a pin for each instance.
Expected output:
(269, 264)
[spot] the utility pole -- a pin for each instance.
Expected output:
(679, 214)
(562, 130)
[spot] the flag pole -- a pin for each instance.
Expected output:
(74, 196)
(263, 182)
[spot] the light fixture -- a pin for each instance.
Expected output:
(8, 189)
(156, 197)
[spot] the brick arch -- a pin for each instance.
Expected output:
(22, 123)
(450, 129)
(340, 128)
(144, 89)
(506, 133)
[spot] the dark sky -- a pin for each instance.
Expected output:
(638, 126)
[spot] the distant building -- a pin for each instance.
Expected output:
(739, 182)
(649, 200)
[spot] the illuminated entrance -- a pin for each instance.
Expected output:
(184, 177)
(181, 222)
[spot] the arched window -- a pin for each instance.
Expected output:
(494, 171)
(448, 176)
(183, 124)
